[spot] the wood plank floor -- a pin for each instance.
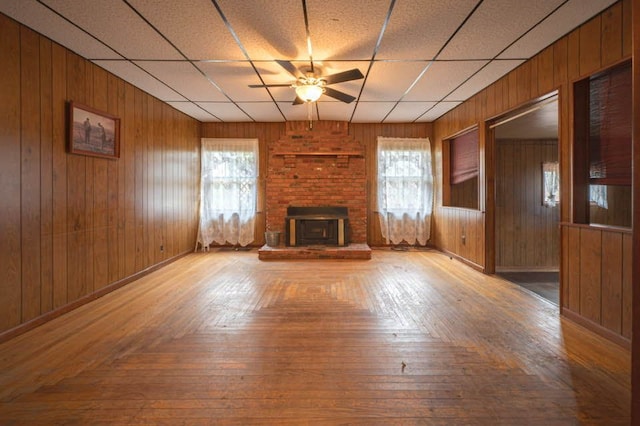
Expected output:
(405, 338)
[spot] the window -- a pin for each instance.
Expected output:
(461, 182)
(550, 184)
(405, 189)
(228, 191)
(603, 148)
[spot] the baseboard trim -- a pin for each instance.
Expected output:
(463, 260)
(526, 269)
(596, 328)
(48, 316)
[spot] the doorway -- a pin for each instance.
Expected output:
(527, 198)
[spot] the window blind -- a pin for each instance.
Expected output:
(464, 157)
(610, 127)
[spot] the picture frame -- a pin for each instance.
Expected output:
(93, 132)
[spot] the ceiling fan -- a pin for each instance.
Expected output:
(309, 87)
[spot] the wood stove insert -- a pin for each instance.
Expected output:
(317, 226)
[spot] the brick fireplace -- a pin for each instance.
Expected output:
(318, 167)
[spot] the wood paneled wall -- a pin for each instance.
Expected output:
(74, 225)
(366, 133)
(527, 233)
(597, 44)
(596, 276)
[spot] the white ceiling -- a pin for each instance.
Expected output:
(420, 58)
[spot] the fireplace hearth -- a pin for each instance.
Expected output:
(306, 226)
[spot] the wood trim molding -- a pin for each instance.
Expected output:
(596, 328)
(459, 258)
(42, 319)
(597, 227)
(635, 274)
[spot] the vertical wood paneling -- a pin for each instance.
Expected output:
(564, 266)
(46, 176)
(100, 242)
(76, 193)
(612, 267)
(140, 168)
(603, 40)
(560, 61)
(10, 249)
(30, 172)
(526, 231)
(590, 250)
(545, 71)
(627, 35)
(574, 275)
(89, 184)
(627, 285)
(611, 48)
(66, 220)
(60, 234)
(573, 55)
(113, 185)
(590, 46)
(131, 198)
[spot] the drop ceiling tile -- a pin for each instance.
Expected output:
(570, 15)
(372, 112)
(335, 110)
(140, 78)
(225, 111)
(193, 26)
(494, 26)
(184, 78)
(41, 19)
(437, 111)
(272, 73)
(297, 112)
(194, 111)
(265, 112)
(388, 81)
(407, 112)
(441, 78)
(418, 29)
(492, 72)
(234, 79)
(276, 34)
(345, 29)
(119, 27)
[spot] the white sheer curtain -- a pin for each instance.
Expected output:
(405, 189)
(228, 185)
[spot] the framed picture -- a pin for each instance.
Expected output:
(93, 132)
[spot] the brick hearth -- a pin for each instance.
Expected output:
(351, 252)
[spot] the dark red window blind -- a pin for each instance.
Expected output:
(610, 127)
(464, 157)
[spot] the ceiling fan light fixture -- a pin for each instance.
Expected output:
(309, 92)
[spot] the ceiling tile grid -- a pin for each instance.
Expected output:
(419, 58)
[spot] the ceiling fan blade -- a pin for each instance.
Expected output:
(269, 85)
(349, 75)
(341, 96)
(290, 67)
(297, 101)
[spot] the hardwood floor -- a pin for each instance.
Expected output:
(405, 338)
